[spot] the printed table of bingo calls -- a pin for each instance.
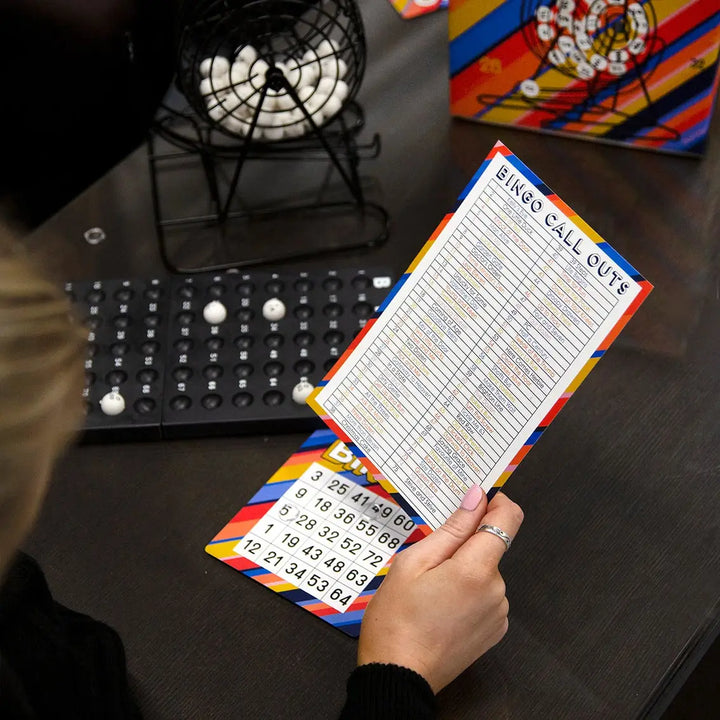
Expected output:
(479, 345)
(320, 533)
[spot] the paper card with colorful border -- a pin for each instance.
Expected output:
(496, 322)
(320, 533)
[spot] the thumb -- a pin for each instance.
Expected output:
(443, 542)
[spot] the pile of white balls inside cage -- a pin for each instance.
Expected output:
(232, 90)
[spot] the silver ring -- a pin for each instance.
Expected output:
(493, 530)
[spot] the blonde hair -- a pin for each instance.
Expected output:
(41, 376)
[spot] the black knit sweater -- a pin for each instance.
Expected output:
(57, 663)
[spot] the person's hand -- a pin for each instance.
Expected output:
(442, 604)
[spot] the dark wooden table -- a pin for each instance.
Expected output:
(614, 580)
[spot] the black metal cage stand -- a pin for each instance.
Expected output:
(268, 84)
(180, 136)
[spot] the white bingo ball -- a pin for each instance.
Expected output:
(341, 90)
(265, 119)
(235, 126)
(334, 67)
(296, 124)
(326, 47)
(326, 85)
(206, 87)
(248, 54)
(205, 66)
(301, 392)
(315, 101)
(239, 72)
(271, 100)
(220, 66)
(214, 99)
(230, 103)
(244, 90)
(273, 309)
(214, 312)
(257, 73)
(293, 73)
(283, 118)
(315, 105)
(310, 66)
(217, 112)
(332, 106)
(283, 101)
(529, 88)
(273, 134)
(310, 74)
(112, 403)
(305, 92)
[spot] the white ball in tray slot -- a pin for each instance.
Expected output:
(273, 309)
(301, 391)
(214, 312)
(112, 403)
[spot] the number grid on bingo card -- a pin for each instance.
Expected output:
(328, 536)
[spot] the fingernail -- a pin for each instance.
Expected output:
(472, 498)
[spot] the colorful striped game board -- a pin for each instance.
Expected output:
(365, 558)
(638, 73)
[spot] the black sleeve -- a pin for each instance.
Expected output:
(388, 692)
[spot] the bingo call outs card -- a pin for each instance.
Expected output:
(500, 317)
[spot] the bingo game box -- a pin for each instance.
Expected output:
(642, 74)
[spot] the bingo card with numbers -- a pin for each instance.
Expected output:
(500, 317)
(320, 532)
